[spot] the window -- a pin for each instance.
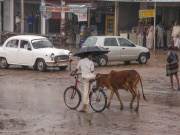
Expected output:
(110, 42)
(124, 42)
(13, 44)
(41, 43)
(24, 44)
(91, 41)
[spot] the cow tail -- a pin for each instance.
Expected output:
(142, 90)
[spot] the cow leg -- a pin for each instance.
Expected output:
(110, 98)
(133, 97)
(138, 98)
(118, 96)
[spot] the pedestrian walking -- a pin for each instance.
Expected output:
(172, 66)
(87, 68)
(160, 35)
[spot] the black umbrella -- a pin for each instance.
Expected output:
(94, 50)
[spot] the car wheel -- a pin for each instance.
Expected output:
(63, 68)
(142, 59)
(3, 63)
(102, 60)
(127, 62)
(41, 66)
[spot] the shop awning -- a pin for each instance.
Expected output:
(142, 0)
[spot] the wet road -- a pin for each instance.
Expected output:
(31, 103)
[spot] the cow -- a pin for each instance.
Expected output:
(128, 80)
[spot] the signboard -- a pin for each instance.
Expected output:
(146, 13)
(82, 17)
(62, 9)
(47, 15)
(144, 0)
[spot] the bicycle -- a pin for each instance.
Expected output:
(97, 96)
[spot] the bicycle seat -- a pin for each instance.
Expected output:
(92, 80)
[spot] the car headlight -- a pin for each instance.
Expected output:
(52, 56)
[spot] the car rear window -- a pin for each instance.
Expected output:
(41, 43)
(90, 41)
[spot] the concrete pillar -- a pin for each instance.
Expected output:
(8, 20)
(0, 23)
(116, 19)
(22, 16)
(43, 21)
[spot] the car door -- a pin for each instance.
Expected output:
(128, 50)
(11, 49)
(112, 45)
(25, 56)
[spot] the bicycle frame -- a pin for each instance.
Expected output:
(76, 81)
(72, 96)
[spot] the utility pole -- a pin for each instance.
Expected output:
(0, 21)
(62, 27)
(22, 16)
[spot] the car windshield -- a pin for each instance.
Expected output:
(91, 41)
(41, 43)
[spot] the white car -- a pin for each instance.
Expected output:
(34, 51)
(120, 49)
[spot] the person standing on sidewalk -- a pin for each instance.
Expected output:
(86, 66)
(18, 22)
(150, 36)
(30, 22)
(36, 22)
(176, 34)
(172, 66)
(139, 34)
(160, 35)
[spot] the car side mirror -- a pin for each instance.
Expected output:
(133, 45)
(29, 48)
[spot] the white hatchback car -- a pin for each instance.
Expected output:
(120, 49)
(34, 51)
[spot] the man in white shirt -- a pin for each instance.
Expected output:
(87, 68)
(26, 45)
(160, 35)
(176, 34)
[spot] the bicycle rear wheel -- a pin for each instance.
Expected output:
(72, 97)
(98, 100)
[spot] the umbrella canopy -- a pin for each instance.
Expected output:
(94, 50)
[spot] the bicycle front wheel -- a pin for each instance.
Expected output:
(98, 100)
(72, 97)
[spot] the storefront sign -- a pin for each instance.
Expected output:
(146, 13)
(82, 17)
(63, 9)
(146, 0)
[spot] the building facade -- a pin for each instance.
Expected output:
(108, 17)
